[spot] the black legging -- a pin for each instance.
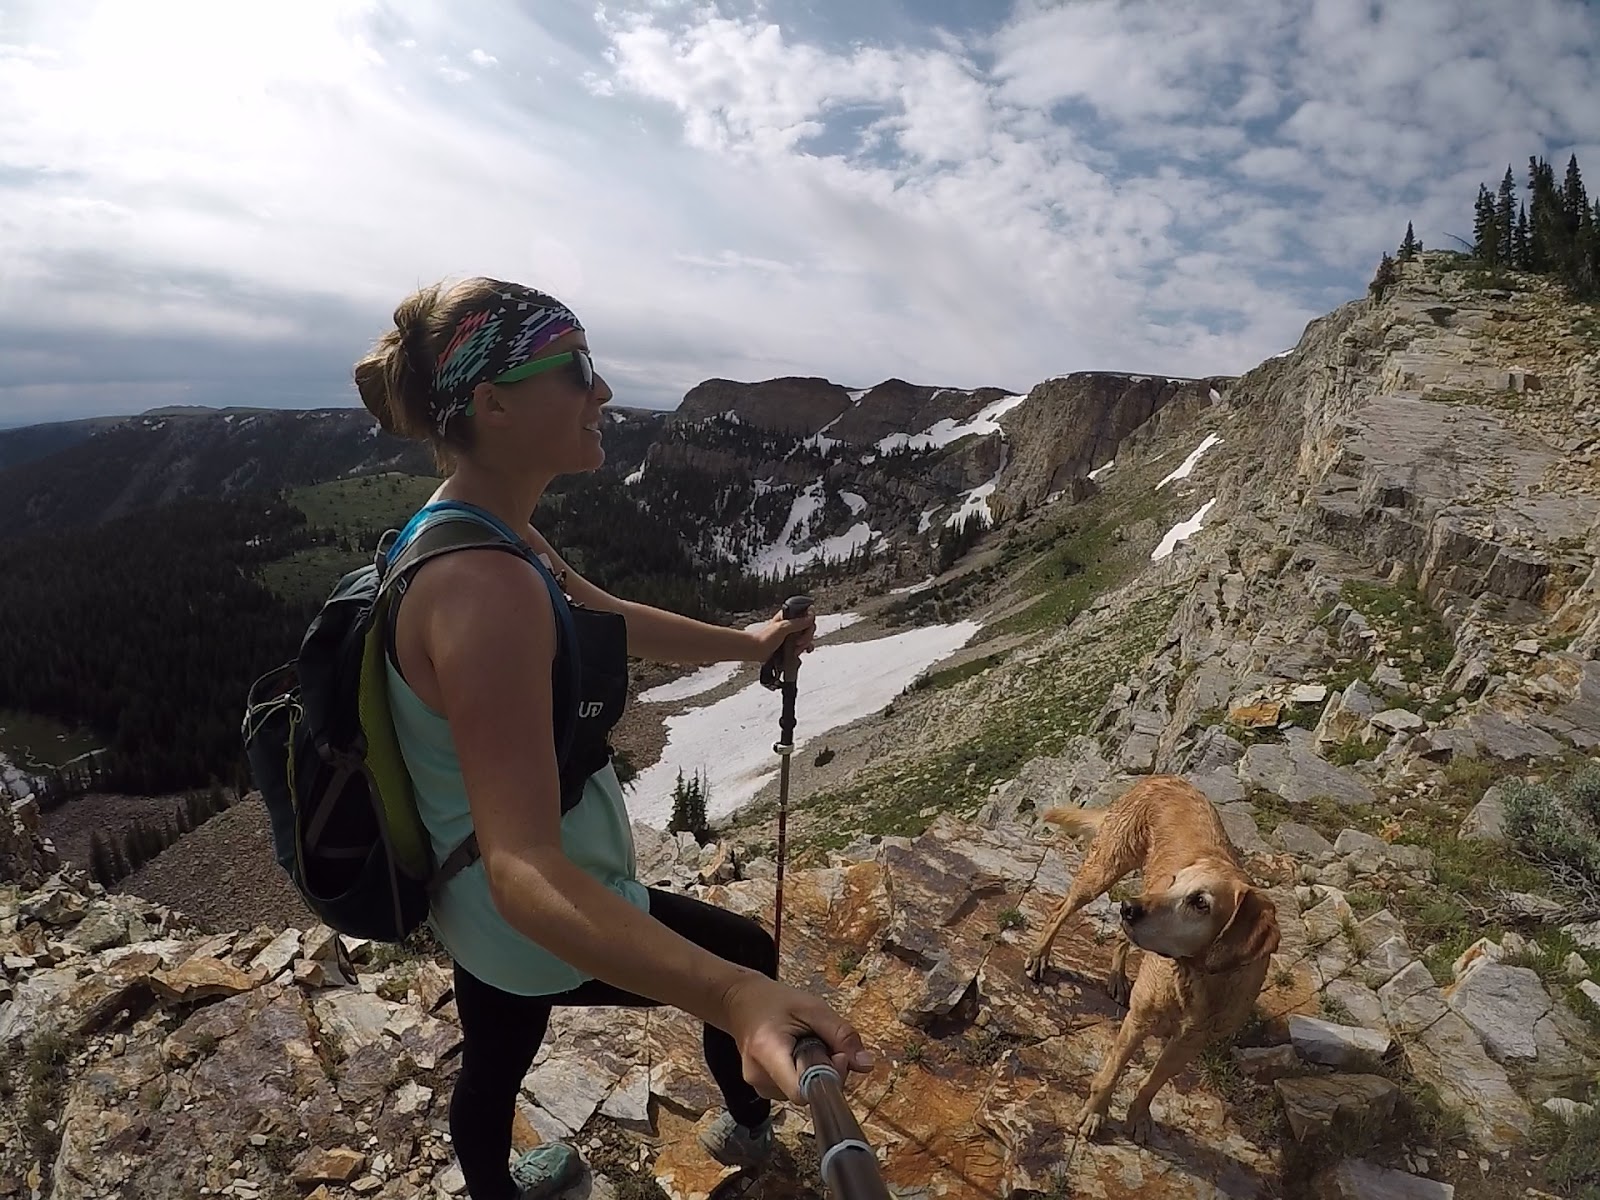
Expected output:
(501, 1032)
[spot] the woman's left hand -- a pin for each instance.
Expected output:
(768, 638)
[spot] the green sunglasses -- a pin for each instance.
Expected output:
(580, 358)
(584, 363)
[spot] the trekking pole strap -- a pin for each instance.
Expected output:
(848, 1173)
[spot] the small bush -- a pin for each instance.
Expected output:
(1575, 1167)
(1558, 827)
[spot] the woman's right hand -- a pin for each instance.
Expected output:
(767, 1018)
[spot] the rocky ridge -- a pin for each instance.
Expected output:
(160, 1062)
(1360, 656)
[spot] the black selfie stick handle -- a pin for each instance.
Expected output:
(849, 1167)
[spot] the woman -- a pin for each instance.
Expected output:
(498, 378)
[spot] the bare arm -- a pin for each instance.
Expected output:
(669, 637)
(491, 647)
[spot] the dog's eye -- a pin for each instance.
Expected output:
(1199, 902)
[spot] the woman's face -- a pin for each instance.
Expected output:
(551, 420)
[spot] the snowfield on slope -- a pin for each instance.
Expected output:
(714, 675)
(1181, 531)
(730, 742)
(942, 433)
(781, 554)
(1183, 469)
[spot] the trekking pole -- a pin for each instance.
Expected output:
(781, 672)
(849, 1168)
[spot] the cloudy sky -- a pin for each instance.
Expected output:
(212, 202)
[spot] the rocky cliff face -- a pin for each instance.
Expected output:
(27, 857)
(1073, 425)
(798, 405)
(792, 472)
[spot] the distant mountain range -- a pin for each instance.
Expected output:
(767, 476)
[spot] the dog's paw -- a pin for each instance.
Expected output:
(1120, 989)
(1090, 1121)
(1035, 965)
(1139, 1127)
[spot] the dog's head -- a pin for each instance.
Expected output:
(1206, 914)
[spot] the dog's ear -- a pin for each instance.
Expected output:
(1251, 933)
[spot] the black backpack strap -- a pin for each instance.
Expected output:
(443, 537)
(453, 533)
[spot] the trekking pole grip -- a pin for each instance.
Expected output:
(849, 1167)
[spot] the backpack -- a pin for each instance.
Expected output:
(321, 746)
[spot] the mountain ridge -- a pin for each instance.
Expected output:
(1355, 598)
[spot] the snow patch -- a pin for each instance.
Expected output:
(713, 675)
(921, 586)
(858, 504)
(926, 522)
(1181, 531)
(818, 441)
(943, 433)
(781, 554)
(1216, 396)
(825, 624)
(635, 477)
(1096, 474)
(1188, 464)
(975, 504)
(730, 742)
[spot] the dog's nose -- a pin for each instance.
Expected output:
(1132, 910)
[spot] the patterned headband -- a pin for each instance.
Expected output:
(487, 343)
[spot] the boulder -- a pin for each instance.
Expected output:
(1487, 820)
(1502, 1004)
(1315, 1104)
(1344, 1046)
(1445, 1051)
(1293, 770)
(1357, 1179)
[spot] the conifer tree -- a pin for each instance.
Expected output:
(100, 859)
(689, 807)
(1386, 275)
(1546, 227)
(1519, 241)
(132, 848)
(1409, 245)
(1505, 216)
(1574, 200)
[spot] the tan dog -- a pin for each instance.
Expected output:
(1206, 932)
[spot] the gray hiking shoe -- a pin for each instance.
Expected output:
(732, 1145)
(546, 1170)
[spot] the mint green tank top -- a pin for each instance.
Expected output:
(595, 834)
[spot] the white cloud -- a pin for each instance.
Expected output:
(1145, 186)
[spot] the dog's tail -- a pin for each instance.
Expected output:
(1082, 821)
